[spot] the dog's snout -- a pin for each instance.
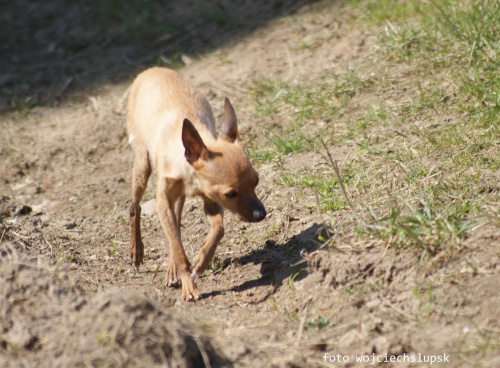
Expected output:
(255, 211)
(259, 214)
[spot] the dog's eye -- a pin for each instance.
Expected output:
(231, 194)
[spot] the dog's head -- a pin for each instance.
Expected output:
(226, 175)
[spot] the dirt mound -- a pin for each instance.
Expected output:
(47, 321)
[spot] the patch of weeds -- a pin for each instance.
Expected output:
(148, 195)
(113, 249)
(104, 339)
(326, 185)
(299, 108)
(155, 274)
(291, 280)
(281, 142)
(465, 144)
(466, 33)
(23, 105)
(378, 12)
(319, 322)
(457, 41)
(273, 303)
(328, 244)
(291, 140)
(328, 190)
(488, 342)
(472, 25)
(121, 220)
(265, 92)
(260, 155)
(319, 101)
(216, 266)
(428, 302)
(401, 42)
(272, 231)
(457, 37)
(173, 62)
(307, 45)
(323, 100)
(425, 225)
(488, 162)
(356, 290)
(60, 256)
(447, 113)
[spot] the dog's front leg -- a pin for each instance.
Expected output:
(179, 268)
(214, 214)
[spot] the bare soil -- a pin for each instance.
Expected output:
(68, 296)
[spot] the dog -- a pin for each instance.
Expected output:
(171, 129)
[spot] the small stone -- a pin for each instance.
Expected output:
(20, 336)
(23, 210)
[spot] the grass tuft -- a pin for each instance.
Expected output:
(423, 225)
(420, 121)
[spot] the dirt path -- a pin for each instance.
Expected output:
(271, 298)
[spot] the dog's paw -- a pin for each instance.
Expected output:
(136, 256)
(189, 291)
(197, 269)
(200, 263)
(172, 281)
(172, 278)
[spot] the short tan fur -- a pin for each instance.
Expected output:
(172, 130)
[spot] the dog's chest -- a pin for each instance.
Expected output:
(191, 185)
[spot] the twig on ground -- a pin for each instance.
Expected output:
(337, 173)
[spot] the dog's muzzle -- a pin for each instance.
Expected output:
(258, 211)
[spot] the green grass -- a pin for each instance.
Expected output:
(319, 322)
(424, 151)
(380, 12)
(311, 183)
(295, 107)
(321, 101)
(424, 225)
(23, 105)
(281, 142)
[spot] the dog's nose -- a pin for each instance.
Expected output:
(259, 214)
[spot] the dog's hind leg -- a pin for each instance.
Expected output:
(140, 176)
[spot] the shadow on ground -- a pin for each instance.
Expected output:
(279, 262)
(58, 48)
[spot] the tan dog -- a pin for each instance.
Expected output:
(172, 130)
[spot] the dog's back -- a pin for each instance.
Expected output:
(159, 101)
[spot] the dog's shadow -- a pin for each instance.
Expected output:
(279, 262)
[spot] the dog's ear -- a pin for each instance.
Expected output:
(229, 123)
(195, 148)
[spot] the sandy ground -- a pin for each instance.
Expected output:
(69, 297)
